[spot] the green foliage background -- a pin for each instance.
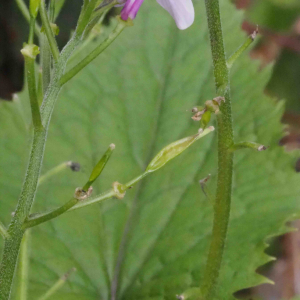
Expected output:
(137, 95)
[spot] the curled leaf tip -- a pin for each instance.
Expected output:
(112, 146)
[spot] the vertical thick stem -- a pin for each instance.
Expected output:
(23, 268)
(15, 230)
(225, 156)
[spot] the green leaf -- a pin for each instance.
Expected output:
(152, 244)
(278, 15)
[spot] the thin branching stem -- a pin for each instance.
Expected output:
(48, 31)
(25, 12)
(94, 54)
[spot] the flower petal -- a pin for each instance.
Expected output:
(130, 9)
(182, 11)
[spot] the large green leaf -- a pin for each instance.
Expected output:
(154, 242)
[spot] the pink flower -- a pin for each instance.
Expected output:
(182, 11)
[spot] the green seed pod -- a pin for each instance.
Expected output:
(34, 7)
(174, 149)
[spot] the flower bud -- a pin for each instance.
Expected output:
(174, 149)
(34, 7)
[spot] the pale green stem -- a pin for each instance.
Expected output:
(85, 16)
(25, 12)
(31, 81)
(241, 49)
(57, 285)
(48, 31)
(22, 288)
(51, 215)
(74, 203)
(45, 61)
(225, 156)
(248, 145)
(15, 229)
(61, 167)
(3, 230)
(96, 52)
(165, 155)
(97, 16)
(31, 30)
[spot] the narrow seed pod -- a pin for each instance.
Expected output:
(174, 149)
(99, 167)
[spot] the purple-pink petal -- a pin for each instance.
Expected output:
(130, 9)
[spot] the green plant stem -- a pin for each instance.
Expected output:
(31, 81)
(3, 230)
(74, 203)
(96, 52)
(25, 12)
(97, 16)
(31, 30)
(51, 215)
(225, 156)
(85, 16)
(165, 155)
(45, 61)
(15, 229)
(241, 49)
(248, 145)
(48, 31)
(23, 268)
(61, 281)
(61, 167)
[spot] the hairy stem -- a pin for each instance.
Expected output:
(48, 31)
(60, 282)
(94, 54)
(15, 229)
(25, 12)
(31, 81)
(225, 156)
(23, 268)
